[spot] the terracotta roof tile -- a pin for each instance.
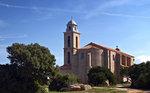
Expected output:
(89, 47)
(97, 46)
(65, 67)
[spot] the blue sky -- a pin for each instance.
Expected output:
(125, 23)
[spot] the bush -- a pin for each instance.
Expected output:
(62, 81)
(98, 74)
(41, 89)
(12, 82)
(140, 75)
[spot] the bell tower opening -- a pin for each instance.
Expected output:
(68, 41)
(76, 42)
(68, 58)
(69, 28)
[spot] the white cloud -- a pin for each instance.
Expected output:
(142, 58)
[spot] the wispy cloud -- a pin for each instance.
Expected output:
(39, 9)
(36, 9)
(12, 6)
(3, 37)
(108, 4)
(124, 15)
(100, 9)
(142, 58)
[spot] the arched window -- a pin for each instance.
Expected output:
(76, 42)
(75, 28)
(123, 60)
(68, 57)
(68, 41)
(69, 28)
(128, 61)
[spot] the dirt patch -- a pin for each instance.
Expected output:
(130, 90)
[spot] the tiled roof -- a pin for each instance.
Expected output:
(65, 67)
(89, 47)
(97, 46)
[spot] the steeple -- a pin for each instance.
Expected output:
(71, 42)
(71, 26)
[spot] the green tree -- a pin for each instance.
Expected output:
(35, 61)
(124, 72)
(140, 74)
(31, 66)
(98, 74)
(12, 82)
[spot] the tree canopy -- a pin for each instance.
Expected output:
(124, 71)
(11, 80)
(30, 66)
(140, 75)
(36, 61)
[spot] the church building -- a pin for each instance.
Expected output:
(78, 60)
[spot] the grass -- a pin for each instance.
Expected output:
(105, 89)
(100, 90)
(94, 90)
(67, 92)
(119, 92)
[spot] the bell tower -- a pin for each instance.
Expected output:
(71, 42)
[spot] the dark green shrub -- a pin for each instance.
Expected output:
(141, 81)
(140, 75)
(62, 81)
(12, 82)
(98, 74)
(41, 89)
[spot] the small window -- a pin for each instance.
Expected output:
(82, 55)
(69, 28)
(75, 28)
